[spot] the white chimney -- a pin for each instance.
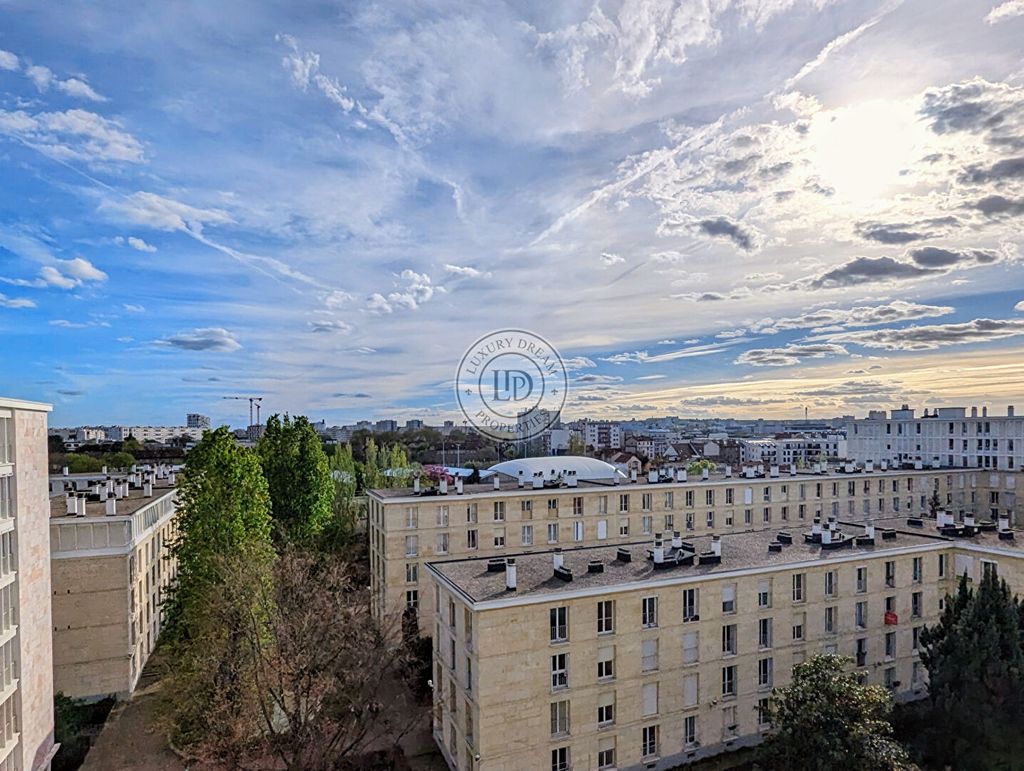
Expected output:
(659, 549)
(748, 472)
(538, 480)
(969, 520)
(716, 545)
(884, 465)
(826, 535)
(110, 485)
(869, 465)
(102, 493)
(849, 468)
(415, 484)
(677, 540)
(64, 471)
(792, 469)
(135, 468)
(918, 465)
(1009, 411)
(869, 531)
(573, 480)
(103, 470)
(521, 482)
(728, 471)
(172, 478)
(147, 490)
(510, 574)
(111, 507)
(632, 475)
(705, 473)
(681, 476)
(1004, 522)
(816, 527)
(497, 483)
(458, 484)
(72, 503)
(442, 486)
(557, 559)
(773, 471)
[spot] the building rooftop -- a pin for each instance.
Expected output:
(135, 500)
(665, 478)
(535, 572)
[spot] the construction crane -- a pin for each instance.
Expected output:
(254, 401)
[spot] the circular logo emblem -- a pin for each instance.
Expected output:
(511, 385)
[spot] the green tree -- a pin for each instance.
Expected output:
(298, 478)
(119, 460)
(79, 463)
(338, 533)
(132, 445)
(696, 468)
(826, 721)
(372, 471)
(576, 445)
(223, 510)
(976, 678)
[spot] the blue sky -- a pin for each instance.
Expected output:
(730, 207)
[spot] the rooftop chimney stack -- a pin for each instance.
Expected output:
(682, 475)
(728, 471)
(1009, 411)
(147, 490)
(573, 480)
(497, 483)
(969, 520)
(984, 412)
(706, 473)
(677, 540)
(826, 535)
(556, 558)
(458, 484)
(538, 480)
(774, 471)
(442, 486)
(520, 480)
(72, 503)
(172, 479)
(869, 531)
(1004, 523)
(111, 507)
(415, 485)
(632, 475)
(869, 465)
(716, 545)
(103, 470)
(816, 527)
(652, 476)
(64, 471)
(659, 549)
(510, 574)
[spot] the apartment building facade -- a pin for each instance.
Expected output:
(407, 528)
(26, 654)
(618, 662)
(947, 436)
(111, 569)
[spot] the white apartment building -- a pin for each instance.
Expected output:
(945, 437)
(162, 434)
(26, 652)
(602, 436)
(195, 420)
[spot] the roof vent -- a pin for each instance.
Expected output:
(784, 538)
(563, 573)
(623, 554)
(774, 546)
(888, 534)
(595, 566)
(496, 565)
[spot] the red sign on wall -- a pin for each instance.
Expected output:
(891, 618)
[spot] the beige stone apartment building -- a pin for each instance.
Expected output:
(111, 567)
(26, 662)
(653, 654)
(578, 502)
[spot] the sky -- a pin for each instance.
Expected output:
(710, 208)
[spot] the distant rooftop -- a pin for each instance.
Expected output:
(535, 575)
(135, 500)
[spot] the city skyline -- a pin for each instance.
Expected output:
(726, 209)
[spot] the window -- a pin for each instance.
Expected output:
(470, 513)
(553, 532)
(602, 504)
(670, 522)
(916, 604)
(711, 519)
(559, 618)
(577, 530)
(689, 520)
(559, 671)
(646, 502)
(764, 593)
(730, 726)
(799, 580)
(690, 731)
(915, 638)
(988, 568)
(691, 606)
(577, 506)
(691, 647)
(729, 598)
(830, 620)
(689, 498)
(560, 759)
(606, 709)
(605, 616)
(499, 511)
(606, 752)
(764, 633)
(862, 580)
(442, 516)
(442, 543)
(602, 529)
(527, 535)
(860, 615)
(471, 539)
(831, 583)
(890, 645)
(764, 713)
(559, 718)
(412, 545)
(670, 499)
(624, 503)
(691, 688)
(799, 622)
(412, 514)
(649, 612)
(729, 681)
(606, 663)
(412, 572)
(890, 604)
(526, 507)
(552, 507)
(649, 699)
(942, 565)
(624, 527)
(764, 672)
(412, 599)
(729, 640)
(860, 651)
(649, 747)
(646, 524)
(918, 570)
(890, 574)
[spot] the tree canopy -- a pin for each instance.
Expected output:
(826, 721)
(298, 478)
(976, 678)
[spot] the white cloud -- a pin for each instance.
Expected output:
(50, 275)
(335, 326)
(140, 245)
(578, 362)
(1005, 11)
(133, 308)
(83, 270)
(8, 61)
(467, 271)
(203, 339)
(161, 213)
(788, 355)
(79, 89)
(16, 302)
(73, 135)
(40, 76)
(730, 334)
(611, 259)
(927, 337)
(418, 290)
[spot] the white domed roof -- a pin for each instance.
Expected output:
(553, 466)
